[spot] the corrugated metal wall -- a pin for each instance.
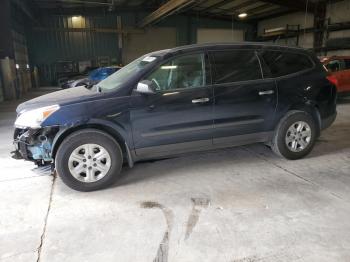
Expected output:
(72, 38)
(90, 38)
(63, 38)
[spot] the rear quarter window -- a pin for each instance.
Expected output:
(285, 63)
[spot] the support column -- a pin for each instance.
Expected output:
(7, 64)
(319, 22)
(6, 43)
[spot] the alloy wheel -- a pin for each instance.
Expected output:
(298, 136)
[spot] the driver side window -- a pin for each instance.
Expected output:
(187, 71)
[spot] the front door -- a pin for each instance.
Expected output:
(179, 116)
(244, 103)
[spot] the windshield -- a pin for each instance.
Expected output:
(115, 80)
(94, 73)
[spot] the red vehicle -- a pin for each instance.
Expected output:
(338, 68)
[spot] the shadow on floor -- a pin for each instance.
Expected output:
(333, 140)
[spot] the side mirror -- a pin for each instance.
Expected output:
(145, 87)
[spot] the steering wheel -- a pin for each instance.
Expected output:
(156, 82)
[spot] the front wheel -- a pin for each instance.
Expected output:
(89, 160)
(295, 135)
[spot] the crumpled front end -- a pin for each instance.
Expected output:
(34, 144)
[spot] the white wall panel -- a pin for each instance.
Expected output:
(205, 35)
(282, 21)
(338, 34)
(339, 53)
(339, 11)
(136, 45)
(306, 42)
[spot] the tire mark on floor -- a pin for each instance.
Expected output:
(198, 204)
(163, 249)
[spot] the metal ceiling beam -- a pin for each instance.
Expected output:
(258, 9)
(271, 14)
(56, 9)
(210, 15)
(238, 9)
(165, 10)
(299, 5)
(235, 9)
(217, 5)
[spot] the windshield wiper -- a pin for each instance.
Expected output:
(92, 86)
(89, 86)
(98, 89)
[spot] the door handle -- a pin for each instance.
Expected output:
(267, 92)
(200, 100)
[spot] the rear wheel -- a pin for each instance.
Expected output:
(295, 135)
(89, 160)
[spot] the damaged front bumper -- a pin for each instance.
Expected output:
(34, 144)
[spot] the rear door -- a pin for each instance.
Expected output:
(244, 102)
(179, 116)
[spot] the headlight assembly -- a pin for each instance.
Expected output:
(34, 118)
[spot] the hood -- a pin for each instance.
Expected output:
(65, 96)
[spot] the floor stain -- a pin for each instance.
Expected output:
(163, 249)
(198, 204)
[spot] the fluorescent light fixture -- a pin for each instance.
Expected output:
(17, 66)
(169, 67)
(76, 18)
(27, 66)
(242, 15)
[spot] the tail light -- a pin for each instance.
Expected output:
(333, 80)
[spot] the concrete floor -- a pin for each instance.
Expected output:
(241, 204)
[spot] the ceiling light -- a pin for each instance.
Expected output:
(169, 67)
(242, 15)
(76, 18)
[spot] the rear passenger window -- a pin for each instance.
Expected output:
(235, 65)
(285, 63)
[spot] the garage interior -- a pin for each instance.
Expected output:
(240, 204)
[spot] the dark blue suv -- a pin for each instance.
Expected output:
(165, 103)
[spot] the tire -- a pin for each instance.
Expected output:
(89, 160)
(285, 143)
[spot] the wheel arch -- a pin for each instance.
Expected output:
(313, 110)
(62, 134)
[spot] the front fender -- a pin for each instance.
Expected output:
(120, 133)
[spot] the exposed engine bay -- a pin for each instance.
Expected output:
(35, 144)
